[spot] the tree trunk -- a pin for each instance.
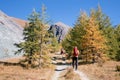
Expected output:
(40, 45)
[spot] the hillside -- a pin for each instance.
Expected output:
(10, 33)
(20, 22)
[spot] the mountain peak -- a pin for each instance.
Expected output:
(61, 24)
(60, 30)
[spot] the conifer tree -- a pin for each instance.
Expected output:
(35, 40)
(74, 36)
(112, 43)
(54, 45)
(67, 44)
(93, 41)
(108, 31)
(117, 33)
(87, 37)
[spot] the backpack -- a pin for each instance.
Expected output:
(75, 54)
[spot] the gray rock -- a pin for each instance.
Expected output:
(10, 33)
(60, 30)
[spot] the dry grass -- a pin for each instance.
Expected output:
(69, 74)
(106, 72)
(15, 72)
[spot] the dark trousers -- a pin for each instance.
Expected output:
(75, 62)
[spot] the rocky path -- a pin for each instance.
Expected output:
(82, 75)
(58, 70)
(61, 66)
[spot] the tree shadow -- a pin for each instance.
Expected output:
(60, 69)
(84, 63)
(58, 58)
(60, 63)
(9, 63)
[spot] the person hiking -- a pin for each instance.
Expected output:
(62, 53)
(75, 58)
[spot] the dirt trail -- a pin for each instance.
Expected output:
(60, 67)
(82, 75)
(58, 70)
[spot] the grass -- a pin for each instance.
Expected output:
(16, 72)
(106, 72)
(69, 74)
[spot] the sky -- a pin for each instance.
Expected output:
(66, 11)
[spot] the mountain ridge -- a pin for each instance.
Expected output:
(59, 30)
(19, 21)
(10, 33)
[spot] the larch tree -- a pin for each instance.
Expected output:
(74, 36)
(35, 41)
(117, 32)
(108, 31)
(93, 41)
(67, 44)
(54, 45)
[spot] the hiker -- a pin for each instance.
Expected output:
(75, 58)
(62, 52)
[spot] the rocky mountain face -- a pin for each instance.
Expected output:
(20, 22)
(11, 30)
(60, 30)
(10, 33)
